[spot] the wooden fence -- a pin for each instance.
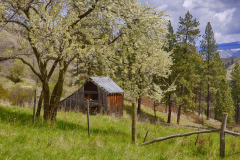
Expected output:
(222, 135)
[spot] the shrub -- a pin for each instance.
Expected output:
(3, 93)
(17, 70)
(20, 96)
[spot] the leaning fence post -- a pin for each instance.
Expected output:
(34, 106)
(222, 135)
(88, 117)
(134, 123)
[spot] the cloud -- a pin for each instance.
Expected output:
(225, 16)
(226, 38)
(222, 14)
(189, 4)
(162, 7)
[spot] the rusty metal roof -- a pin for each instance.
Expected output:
(107, 84)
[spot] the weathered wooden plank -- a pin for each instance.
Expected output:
(92, 103)
(104, 100)
(100, 108)
(82, 99)
(70, 101)
(91, 92)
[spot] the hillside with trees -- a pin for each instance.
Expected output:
(55, 46)
(133, 58)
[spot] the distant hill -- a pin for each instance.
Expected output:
(230, 69)
(229, 61)
(229, 49)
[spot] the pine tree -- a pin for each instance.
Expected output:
(224, 103)
(185, 59)
(170, 47)
(208, 50)
(187, 30)
(235, 84)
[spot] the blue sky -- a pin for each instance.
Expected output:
(224, 15)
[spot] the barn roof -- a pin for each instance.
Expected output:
(107, 84)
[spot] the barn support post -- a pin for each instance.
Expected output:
(88, 117)
(34, 106)
(134, 124)
(65, 105)
(222, 135)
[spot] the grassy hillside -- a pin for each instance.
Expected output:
(229, 61)
(229, 70)
(110, 138)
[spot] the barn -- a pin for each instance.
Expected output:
(104, 95)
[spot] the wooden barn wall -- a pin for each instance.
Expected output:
(115, 104)
(81, 99)
(102, 95)
(107, 103)
(74, 102)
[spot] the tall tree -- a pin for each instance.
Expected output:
(170, 47)
(218, 75)
(235, 84)
(208, 48)
(57, 32)
(140, 59)
(224, 102)
(185, 61)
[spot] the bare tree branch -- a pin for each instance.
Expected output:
(34, 71)
(50, 1)
(84, 14)
(6, 58)
(116, 38)
(17, 22)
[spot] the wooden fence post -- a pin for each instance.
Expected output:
(222, 135)
(134, 123)
(34, 106)
(88, 117)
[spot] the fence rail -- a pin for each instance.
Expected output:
(222, 135)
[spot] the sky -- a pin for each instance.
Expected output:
(224, 15)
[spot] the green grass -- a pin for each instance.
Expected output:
(110, 138)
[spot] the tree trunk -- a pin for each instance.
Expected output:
(139, 105)
(46, 100)
(199, 107)
(237, 113)
(208, 101)
(56, 95)
(169, 109)
(179, 114)
(39, 105)
(180, 107)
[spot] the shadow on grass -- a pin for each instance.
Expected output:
(19, 117)
(144, 116)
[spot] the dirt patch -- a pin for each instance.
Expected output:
(160, 107)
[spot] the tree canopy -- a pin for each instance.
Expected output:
(55, 33)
